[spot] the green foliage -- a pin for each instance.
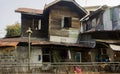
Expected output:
(13, 30)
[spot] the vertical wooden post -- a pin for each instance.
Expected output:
(29, 31)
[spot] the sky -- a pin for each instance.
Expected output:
(9, 16)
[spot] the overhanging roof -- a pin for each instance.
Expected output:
(71, 3)
(29, 11)
(62, 44)
(38, 41)
(3, 44)
(21, 39)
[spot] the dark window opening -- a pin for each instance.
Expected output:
(39, 57)
(45, 51)
(63, 55)
(78, 57)
(37, 24)
(102, 51)
(102, 56)
(46, 55)
(67, 22)
(46, 58)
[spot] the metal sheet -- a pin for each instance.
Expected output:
(2, 44)
(115, 47)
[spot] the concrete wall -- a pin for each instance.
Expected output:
(7, 54)
(22, 54)
(36, 55)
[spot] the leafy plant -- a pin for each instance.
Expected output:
(13, 30)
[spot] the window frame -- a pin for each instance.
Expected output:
(37, 24)
(46, 52)
(64, 21)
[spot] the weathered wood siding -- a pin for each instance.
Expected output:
(55, 18)
(27, 21)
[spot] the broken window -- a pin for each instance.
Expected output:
(66, 22)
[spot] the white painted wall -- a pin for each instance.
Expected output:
(35, 52)
(63, 39)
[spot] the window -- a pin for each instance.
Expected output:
(39, 57)
(102, 56)
(37, 24)
(103, 51)
(94, 23)
(78, 56)
(46, 55)
(66, 22)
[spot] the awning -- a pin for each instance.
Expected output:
(115, 47)
(2, 44)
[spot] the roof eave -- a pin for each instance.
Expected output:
(29, 11)
(72, 1)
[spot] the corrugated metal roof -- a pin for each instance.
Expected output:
(21, 39)
(29, 11)
(38, 41)
(2, 44)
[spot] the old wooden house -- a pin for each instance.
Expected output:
(102, 26)
(58, 36)
(55, 34)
